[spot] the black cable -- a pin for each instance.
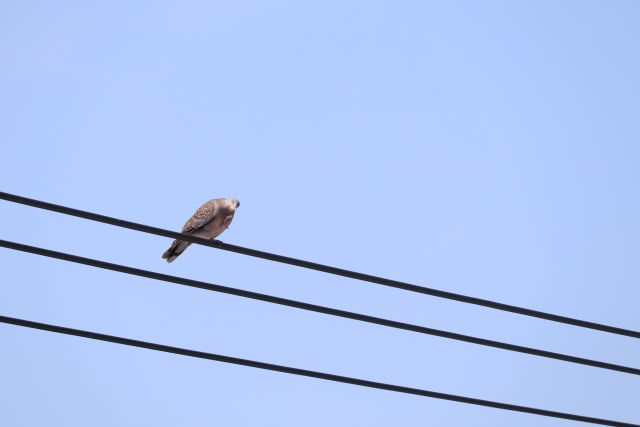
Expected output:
(306, 373)
(315, 308)
(318, 267)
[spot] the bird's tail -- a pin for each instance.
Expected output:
(175, 250)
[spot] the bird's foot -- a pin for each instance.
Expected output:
(218, 242)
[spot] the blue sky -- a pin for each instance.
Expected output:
(490, 149)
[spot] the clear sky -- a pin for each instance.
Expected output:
(485, 148)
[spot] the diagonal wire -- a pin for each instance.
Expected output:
(316, 308)
(306, 373)
(319, 267)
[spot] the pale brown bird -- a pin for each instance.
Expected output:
(208, 222)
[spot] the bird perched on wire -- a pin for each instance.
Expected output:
(208, 222)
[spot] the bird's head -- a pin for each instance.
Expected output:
(233, 204)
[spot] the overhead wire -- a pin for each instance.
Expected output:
(311, 307)
(307, 373)
(314, 308)
(319, 267)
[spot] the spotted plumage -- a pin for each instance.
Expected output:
(208, 222)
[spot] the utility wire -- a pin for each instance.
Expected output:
(306, 373)
(315, 308)
(319, 267)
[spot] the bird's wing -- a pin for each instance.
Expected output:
(203, 215)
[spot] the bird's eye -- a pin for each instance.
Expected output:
(238, 205)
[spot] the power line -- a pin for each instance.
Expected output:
(319, 267)
(306, 373)
(315, 308)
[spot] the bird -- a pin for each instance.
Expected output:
(209, 221)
